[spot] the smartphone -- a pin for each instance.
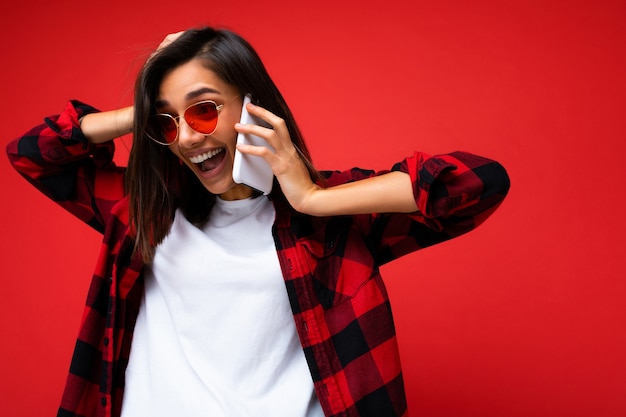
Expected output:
(252, 170)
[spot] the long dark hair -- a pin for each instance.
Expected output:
(157, 181)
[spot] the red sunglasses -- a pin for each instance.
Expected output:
(201, 117)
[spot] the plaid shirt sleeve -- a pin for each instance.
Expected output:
(57, 159)
(454, 194)
(331, 267)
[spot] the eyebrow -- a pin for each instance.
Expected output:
(189, 96)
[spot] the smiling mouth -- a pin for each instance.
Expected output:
(208, 160)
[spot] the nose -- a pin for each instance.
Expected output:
(187, 137)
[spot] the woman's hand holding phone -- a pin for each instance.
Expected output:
(392, 192)
(282, 158)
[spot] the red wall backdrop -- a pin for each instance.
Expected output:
(523, 317)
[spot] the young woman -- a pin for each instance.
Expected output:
(210, 299)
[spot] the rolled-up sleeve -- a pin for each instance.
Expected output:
(58, 160)
(455, 183)
(454, 193)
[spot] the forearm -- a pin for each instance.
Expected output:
(108, 125)
(439, 187)
(388, 193)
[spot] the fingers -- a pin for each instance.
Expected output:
(169, 39)
(265, 114)
(165, 42)
(282, 156)
(285, 161)
(277, 135)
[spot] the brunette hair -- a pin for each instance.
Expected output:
(157, 181)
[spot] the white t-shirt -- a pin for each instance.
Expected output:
(215, 334)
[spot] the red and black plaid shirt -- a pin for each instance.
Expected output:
(330, 265)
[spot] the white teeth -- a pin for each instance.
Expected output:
(203, 157)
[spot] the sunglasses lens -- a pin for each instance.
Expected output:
(202, 117)
(162, 128)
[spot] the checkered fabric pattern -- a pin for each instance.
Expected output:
(330, 265)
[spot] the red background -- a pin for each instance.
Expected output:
(523, 317)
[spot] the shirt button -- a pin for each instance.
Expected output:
(106, 341)
(103, 401)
